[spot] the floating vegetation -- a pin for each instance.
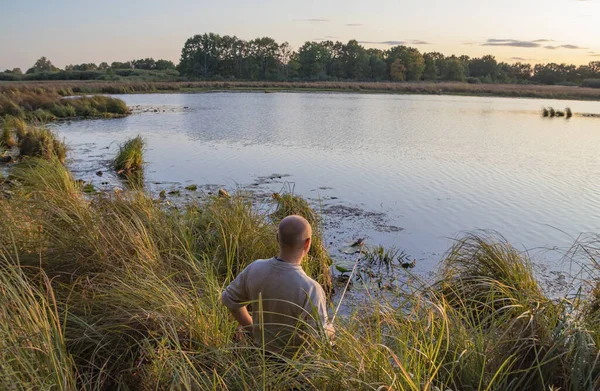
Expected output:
(385, 257)
(88, 188)
(192, 187)
(551, 112)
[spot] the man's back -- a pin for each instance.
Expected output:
(282, 297)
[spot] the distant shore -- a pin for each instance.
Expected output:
(421, 88)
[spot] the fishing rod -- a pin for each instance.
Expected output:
(361, 243)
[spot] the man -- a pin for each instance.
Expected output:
(286, 303)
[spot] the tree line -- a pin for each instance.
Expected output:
(214, 57)
(211, 56)
(43, 69)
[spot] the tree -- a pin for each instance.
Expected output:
(377, 65)
(397, 70)
(103, 66)
(453, 69)
(482, 67)
(14, 71)
(354, 61)
(121, 65)
(410, 58)
(146, 64)
(162, 65)
(42, 65)
(313, 59)
(431, 70)
(200, 55)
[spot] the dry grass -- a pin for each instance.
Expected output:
(508, 90)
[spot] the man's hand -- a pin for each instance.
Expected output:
(245, 323)
(242, 316)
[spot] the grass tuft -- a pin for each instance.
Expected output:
(41, 142)
(130, 157)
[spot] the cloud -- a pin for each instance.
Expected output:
(419, 42)
(330, 37)
(595, 55)
(390, 43)
(564, 47)
(543, 40)
(521, 59)
(312, 20)
(511, 42)
(353, 24)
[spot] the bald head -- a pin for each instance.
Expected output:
(293, 232)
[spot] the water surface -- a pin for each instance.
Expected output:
(402, 170)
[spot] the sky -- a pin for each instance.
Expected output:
(78, 31)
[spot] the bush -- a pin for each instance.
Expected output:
(591, 83)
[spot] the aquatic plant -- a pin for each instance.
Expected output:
(130, 157)
(568, 112)
(545, 112)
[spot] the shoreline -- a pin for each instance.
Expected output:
(401, 88)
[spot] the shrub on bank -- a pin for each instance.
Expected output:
(591, 83)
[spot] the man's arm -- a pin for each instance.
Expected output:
(242, 316)
(235, 296)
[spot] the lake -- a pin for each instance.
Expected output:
(401, 170)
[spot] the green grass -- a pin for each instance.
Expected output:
(118, 291)
(130, 157)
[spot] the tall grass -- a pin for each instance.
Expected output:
(131, 301)
(33, 352)
(48, 104)
(130, 157)
(41, 142)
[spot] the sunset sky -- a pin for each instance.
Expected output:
(70, 32)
